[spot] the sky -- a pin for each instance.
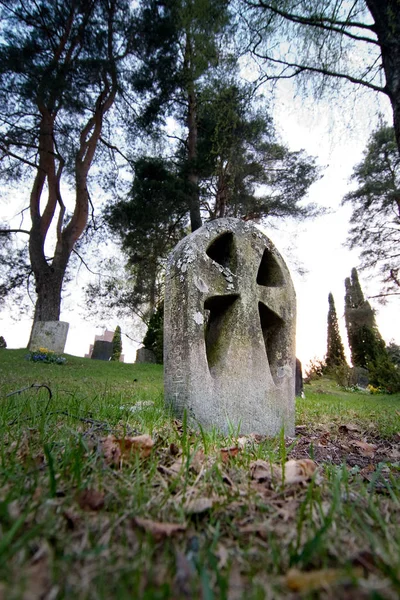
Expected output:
(337, 136)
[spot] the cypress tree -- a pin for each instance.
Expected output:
(335, 355)
(366, 344)
(117, 344)
(362, 331)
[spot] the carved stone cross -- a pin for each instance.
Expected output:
(229, 330)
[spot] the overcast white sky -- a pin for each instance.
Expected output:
(337, 138)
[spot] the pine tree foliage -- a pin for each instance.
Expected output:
(117, 344)
(375, 221)
(335, 356)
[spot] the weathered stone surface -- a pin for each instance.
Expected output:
(144, 355)
(229, 330)
(102, 350)
(49, 334)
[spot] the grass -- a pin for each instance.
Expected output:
(76, 523)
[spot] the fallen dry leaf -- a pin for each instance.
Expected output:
(197, 461)
(367, 450)
(295, 471)
(299, 581)
(183, 577)
(174, 449)
(37, 576)
(114, 449)
(222, 554)
(261, 529)
(345, 428)
(198, 505)
(90, 499)
(159, 530)
(227, 453)
(261, 470)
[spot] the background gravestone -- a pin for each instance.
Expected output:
(144, 355)
(102, 350)
(49, 334)
(299, 378)
(229, 330)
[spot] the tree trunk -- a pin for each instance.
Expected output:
(48, 302)
(193, 176)
(386, 14)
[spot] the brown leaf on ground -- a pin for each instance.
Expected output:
(37, 576)
(183, 577)
(72, 518)
(91, 499)
(349, 427)
(114, 449)
(308, 581)
(197, 461)
(261, 529)
(198, 505)
(174, 449)
(367, 450)
(236, 589)
(111, 450)
(159, 530)
(227, 453)
(222, 554)
(297, 471)
(261, 470)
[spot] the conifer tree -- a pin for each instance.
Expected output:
(360, 323)
(117, 344)
(335, 355)
(366, 343)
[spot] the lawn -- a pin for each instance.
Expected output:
(103, 494)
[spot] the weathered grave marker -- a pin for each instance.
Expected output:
(229, 330)
(49, 334)
(102, 350)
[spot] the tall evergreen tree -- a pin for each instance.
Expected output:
(117, 344)
(335, 355)
(366, 344)
(360, 323)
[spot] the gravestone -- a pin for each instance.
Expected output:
(229, 331)
(144, 355)
(49, 334)
(102, 350)
(299, 378)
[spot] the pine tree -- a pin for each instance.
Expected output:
(117, 344)
(335, 355)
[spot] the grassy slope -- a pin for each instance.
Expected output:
(67, 516)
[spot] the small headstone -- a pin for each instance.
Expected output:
(49, 334)
(299, 378)
(229, 331)
(102, 350)
(144, 355)
(359, 377)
